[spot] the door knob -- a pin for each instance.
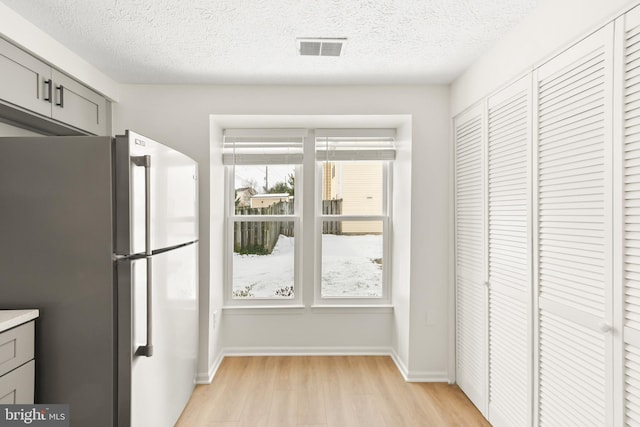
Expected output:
(604, 327)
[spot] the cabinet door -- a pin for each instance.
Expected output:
(23, 79)
(631, 208)
(574, 234)
(509, 237)
(471, 300)
(78, 106)
(17, 387)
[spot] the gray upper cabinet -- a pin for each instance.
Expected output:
(30, 84)
(77, 105)
(23, 79)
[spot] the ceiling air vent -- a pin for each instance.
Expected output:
(320, 46)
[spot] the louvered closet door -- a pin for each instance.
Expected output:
(574, 235)
(631, 188)
(510, 291)
(471, 359)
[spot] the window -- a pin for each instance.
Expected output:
(264, 216)
(353, 215)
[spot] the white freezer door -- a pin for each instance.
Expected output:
(171, 184)
(162, 384)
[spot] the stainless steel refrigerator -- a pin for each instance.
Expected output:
(101, 235)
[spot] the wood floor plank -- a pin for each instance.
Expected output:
(260, 380)
(311, 407)
(367, 406)
(284, 409)
(341, 409)
(328, 391)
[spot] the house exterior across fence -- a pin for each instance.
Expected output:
(268, 199)
(359, 187)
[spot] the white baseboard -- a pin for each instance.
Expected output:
(399, 364)
(307, 351)
(418, 376)
(426, 376)
(206, 378)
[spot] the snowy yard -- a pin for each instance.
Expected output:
(351, 267)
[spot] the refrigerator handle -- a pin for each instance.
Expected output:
(145, 161)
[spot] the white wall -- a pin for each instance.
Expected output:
(179, 116)
(430, 244)
(552, 26)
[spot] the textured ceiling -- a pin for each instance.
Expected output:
(254, 41)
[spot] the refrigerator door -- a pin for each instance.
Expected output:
(149, 172)
(152, 391)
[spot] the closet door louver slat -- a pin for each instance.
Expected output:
(574, 234)
(470, 256)
(509, 236)
(631, 251)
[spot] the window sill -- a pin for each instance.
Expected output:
(261, 309)
(368, 308)
(316, 308)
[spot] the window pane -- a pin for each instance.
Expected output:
(352, 188)
(352, 259)
(263, 259)
(264, 189)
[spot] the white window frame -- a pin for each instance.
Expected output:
(384, 217)
(231, 218)
(302, 205)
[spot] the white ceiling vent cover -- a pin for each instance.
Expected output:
(321, 46)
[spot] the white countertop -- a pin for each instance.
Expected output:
(11, 318)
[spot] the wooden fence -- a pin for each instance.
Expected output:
(260, 237)
(332, 207)
(280, 208)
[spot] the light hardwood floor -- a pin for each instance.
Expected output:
(332, 391)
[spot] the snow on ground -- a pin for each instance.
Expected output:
(349, 268)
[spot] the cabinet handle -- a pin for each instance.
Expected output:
(49, 89)
(61, 97)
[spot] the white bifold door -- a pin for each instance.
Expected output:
(547, 239)
(574, 235)
(509, 256)
(470, 261)
(630, 25)
(493, 255)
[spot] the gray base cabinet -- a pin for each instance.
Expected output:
(17, 386)
(30, 84)
(17, 366)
